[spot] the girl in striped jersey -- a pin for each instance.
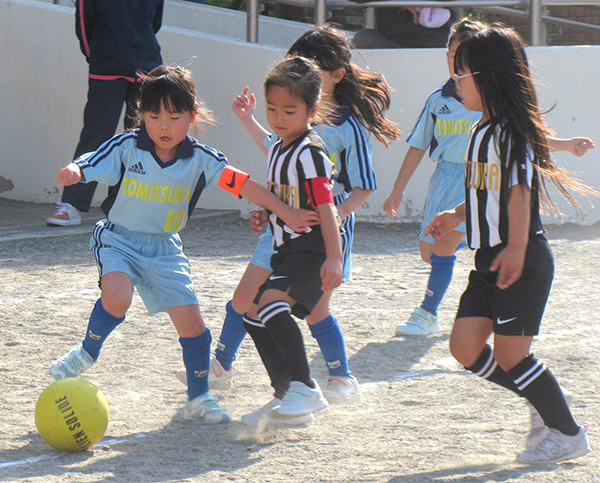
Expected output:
(356, 99)
(506, 169)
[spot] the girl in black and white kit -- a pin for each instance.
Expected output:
(506, 169)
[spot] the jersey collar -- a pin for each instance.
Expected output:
(449, 90)
(184, 150)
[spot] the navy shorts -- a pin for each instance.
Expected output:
(297, 272)
(519, 309)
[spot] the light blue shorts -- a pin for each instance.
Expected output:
(264, 250)
(446, 191)
(156, 264)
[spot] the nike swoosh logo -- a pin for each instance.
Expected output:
(232, 184)
(499, 321)
(275, 277)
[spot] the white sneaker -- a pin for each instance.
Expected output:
(261, 416)
(72, 364)
(299, 400)
(218, 378)
(341, 390)
(420, 322)
(65, 215)
(538, 429)
(207, 408)
(556, 447)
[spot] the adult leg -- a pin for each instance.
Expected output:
(100, 120)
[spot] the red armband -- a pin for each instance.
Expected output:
(232, 179)
(319, 191)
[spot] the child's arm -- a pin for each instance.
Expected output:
(332, 272)
(354, 201)
(577, 146)
(446, 222)
(511, 260)
(296, 219)
(70, 174)
(244, 108)
(409, 165)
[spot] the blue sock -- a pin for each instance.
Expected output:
(100, 325)
(331, 341)
(196, 359)
(232, 335)
(439, 281)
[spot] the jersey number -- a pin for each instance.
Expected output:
(174, 221)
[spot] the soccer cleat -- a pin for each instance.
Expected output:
(341, 390)
(262, 416)
(538, 430)
(299, 400)
(65, 215)
(218, 378)
(207, 408)
(557, 447)
(420, 322)
(72, 364)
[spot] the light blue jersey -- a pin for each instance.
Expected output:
(444, 126)
(151, 196)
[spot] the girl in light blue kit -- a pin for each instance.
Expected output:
(159, 173)
(357, 100)
(444, 127)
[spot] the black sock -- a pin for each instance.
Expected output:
(487, 368)
(539, 386)
(286, 334)
(270, 356)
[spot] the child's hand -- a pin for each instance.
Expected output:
(443, 223)
(71, 174)
(299, 219)
(509, 263)
(392, 203)
(579, 146)
(258, 219)
(244, 106)
(332, 274)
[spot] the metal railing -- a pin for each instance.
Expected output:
(531, 8)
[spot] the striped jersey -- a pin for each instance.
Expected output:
(288, 169)
(349, 149)
(487, 181)
(151, 196)
(444, 126)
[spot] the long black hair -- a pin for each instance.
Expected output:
(497, 55)
(365, 93)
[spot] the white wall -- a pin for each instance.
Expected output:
(43, 91)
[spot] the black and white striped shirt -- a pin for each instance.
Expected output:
(487, 184)
(288, 169)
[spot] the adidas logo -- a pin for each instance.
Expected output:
(137, 168)
(444, 110)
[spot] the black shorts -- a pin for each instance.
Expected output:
(519, 309)
(297, 271)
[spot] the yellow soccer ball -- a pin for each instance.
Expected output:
(71, 414)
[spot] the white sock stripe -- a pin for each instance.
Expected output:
(486, 367)
(254, 322)
(540, 369)
(490, 370)
(272, 309)
(526, 374)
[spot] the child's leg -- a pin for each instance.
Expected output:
(277, 318)
(195, 341)
(233, 331)
(271, 357)
(109, 311)
(325, 329)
